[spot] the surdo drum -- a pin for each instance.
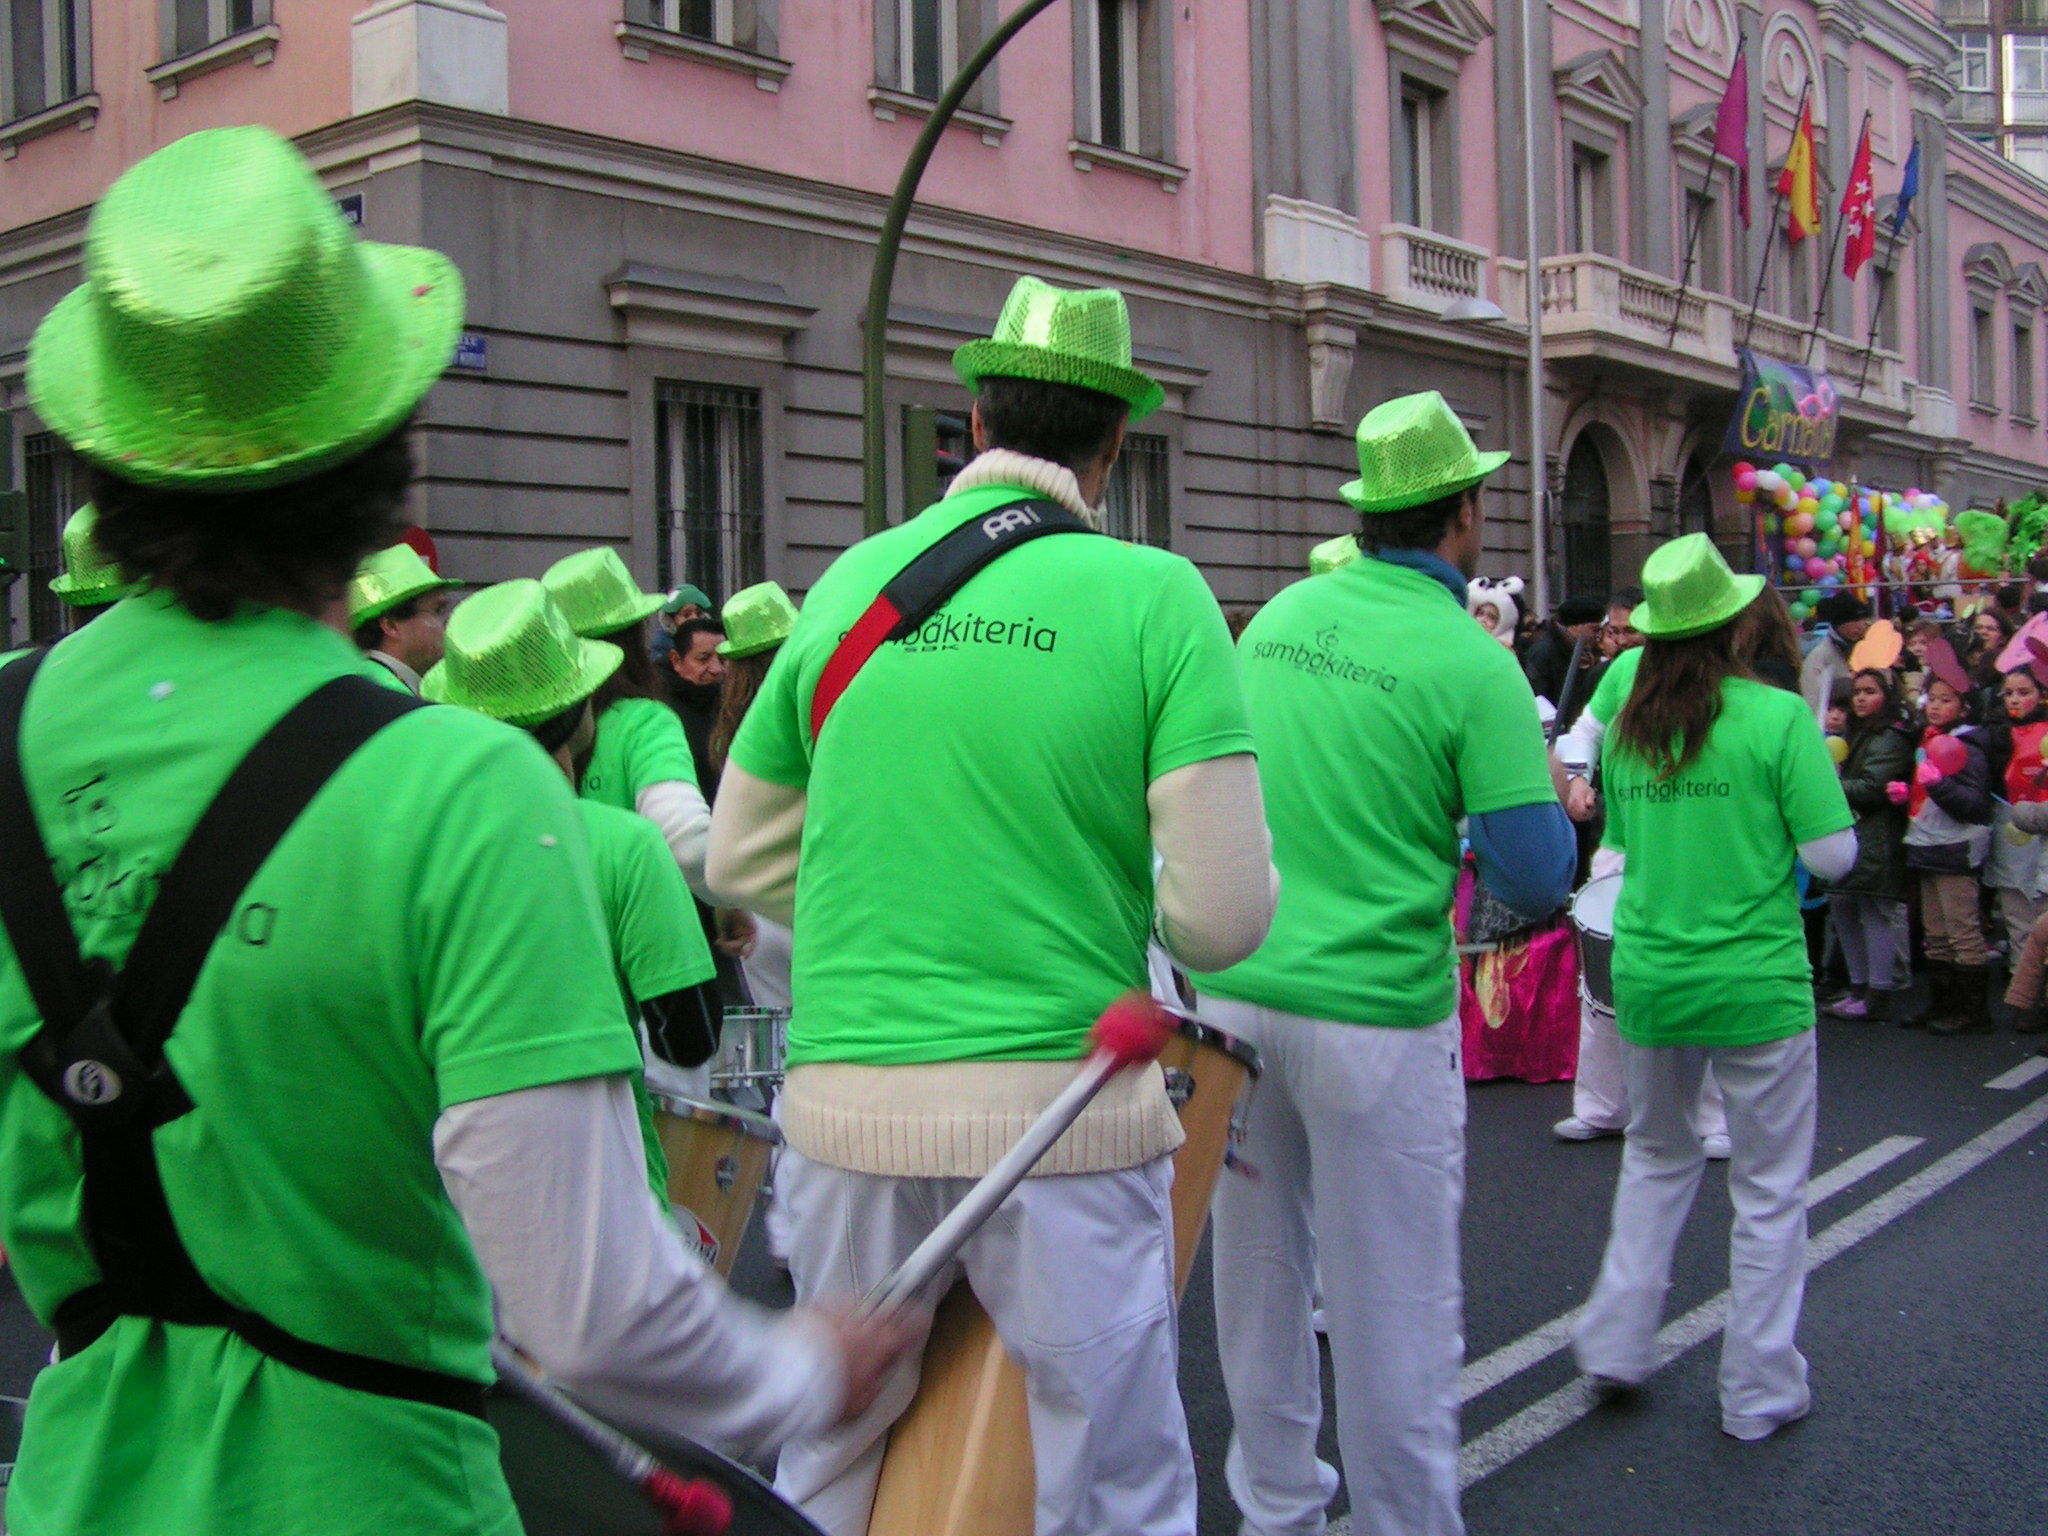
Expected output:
(959, 1460)
(752, 1043)
(1592, 913)
(717, 1159)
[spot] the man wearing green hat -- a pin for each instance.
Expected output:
(272, 1321)
(1383, 715)
(398, 613)
(976, 812)
(89, 583)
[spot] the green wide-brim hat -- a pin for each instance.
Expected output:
(232, 332)
(756, 619)
(1413, 450)
(89, 579)
(1689, 589)
(1079, 336)
(687, 596)
(1332, 554)
(512, 655)
(388, 578)
(597, 592)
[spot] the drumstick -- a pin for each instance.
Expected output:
(687, 1506)
(1130, 1033)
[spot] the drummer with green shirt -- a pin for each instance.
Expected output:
(398, 1095)
(1383, 717)
(398, 613)
(1708, 769)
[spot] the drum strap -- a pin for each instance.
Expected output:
(925, 585)
(99, 1055)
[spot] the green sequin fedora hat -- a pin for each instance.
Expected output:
(1688, 589)
(89, 579)
(512, 655)
(232, 332)
(597, 592)
(388, 578)
(1332, 554)
(1079, 336)
(756, 619)
(1413, 450)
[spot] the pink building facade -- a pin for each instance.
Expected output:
(666, 210)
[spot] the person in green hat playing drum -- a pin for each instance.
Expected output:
(1382, 715)
(376, 959)
(1707, 768)
(398, 613)
(975, 804)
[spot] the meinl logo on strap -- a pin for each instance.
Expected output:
(996, 524)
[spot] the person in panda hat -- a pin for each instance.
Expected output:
(1497, 606)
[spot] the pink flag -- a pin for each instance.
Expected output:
(1731, 129)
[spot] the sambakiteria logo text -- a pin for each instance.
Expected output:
(1323, 658)
(950, 631)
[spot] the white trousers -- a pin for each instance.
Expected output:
(1771, 1097)
(1358, 1136)
(1076, 1272)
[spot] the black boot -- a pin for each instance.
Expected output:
(1968, 1011)
(1914, 1015)
(1881, 1002)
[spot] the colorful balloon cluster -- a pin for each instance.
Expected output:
(1818, 527)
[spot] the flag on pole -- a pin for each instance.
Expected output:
(1797, 184)
(1731, 128)
(1859, 211)
(1909, 188)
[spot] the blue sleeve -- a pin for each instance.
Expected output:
(1527, 856)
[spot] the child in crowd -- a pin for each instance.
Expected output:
(1836, 721)
(2015, 868)
(1867, 907)
(1948, 803)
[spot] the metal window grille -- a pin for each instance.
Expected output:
(1137, 503)
(1588, 538)
(711, 533)
(55, 482)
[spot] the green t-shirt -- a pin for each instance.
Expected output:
(428, 933)
(1615, 683)
(1383, 715)
(976, 880)
(639, 742)
(1708, 946)
(656, 938)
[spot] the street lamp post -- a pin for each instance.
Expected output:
(1539, 468)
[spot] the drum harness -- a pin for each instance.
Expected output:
(100, 1053)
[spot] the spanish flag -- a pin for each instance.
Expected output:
(1796, 182)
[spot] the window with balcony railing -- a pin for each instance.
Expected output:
(44, 55)
(708, 439)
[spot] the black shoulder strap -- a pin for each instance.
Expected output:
(31, 903)
(923, 587)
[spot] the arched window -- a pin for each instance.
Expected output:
(1695, 499)
(1587, 539)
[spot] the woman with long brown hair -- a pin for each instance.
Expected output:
(1715, 783)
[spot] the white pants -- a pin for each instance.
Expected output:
(1771, 1096)
(1076, 1272)
(1358, 1136)
(1599, 1087)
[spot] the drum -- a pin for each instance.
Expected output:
(1592, 914)
(717, 1158)
(563, 1488)
(751, 1045)
(959, 1460)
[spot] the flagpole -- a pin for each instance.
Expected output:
(1827, 271)
(1692, 244)
(1763, 270)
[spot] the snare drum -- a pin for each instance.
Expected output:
(1592, 913)
(563, 1488)
(959, 1460)
(717, 1157)
(752, 1043)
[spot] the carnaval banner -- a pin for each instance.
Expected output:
(1785, 412)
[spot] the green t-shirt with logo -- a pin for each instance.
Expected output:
(1383, 715)
(639, 742)
(976, 879)
(1708, 945)
(428, 933)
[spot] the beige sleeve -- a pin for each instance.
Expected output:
(1217, 886)
(757, 829)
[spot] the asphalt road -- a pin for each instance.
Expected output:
(1923, 1322)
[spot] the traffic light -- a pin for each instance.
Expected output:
(13, 536)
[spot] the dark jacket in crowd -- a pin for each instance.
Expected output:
(1880, 753)
(1966, 796)
(1547, 663)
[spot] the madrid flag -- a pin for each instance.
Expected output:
(1859, 211)
(1796, 183)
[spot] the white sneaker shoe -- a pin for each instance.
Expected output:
(1317, 1321)
(1716, 1147)
(1572, 1128)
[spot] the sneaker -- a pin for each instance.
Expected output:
(1715, 1146)
(1754, 1427)
(1572, 1128)
(1317, 1321)
(1850, 1007)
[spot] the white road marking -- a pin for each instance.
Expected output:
(1510, 1360)
(2020, 1075)
(1524, 1431)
